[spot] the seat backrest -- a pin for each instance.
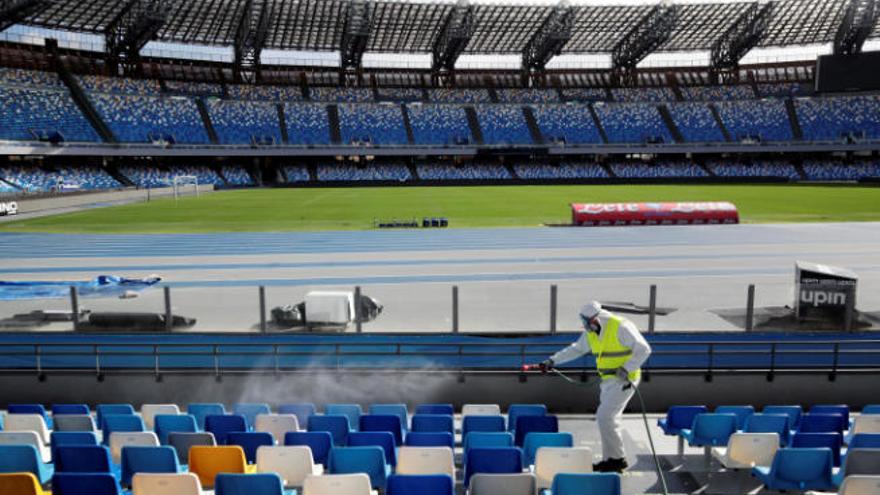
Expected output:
(579, 484)
(352, 411)
(28, 422)
(860, 485)
(430, 439)
(481, 410)
(432, 422)
(28, 409)
(336, 424)
(755, 449)
(741, 412)
(426, 460)
(208, 462)
(820, 423)
(201, 410)
(871, 409)
(862, 462)
(20, 459)
(150, 411)
(552, 460)
(680, 417)
(250, 441)
(250, 411)
(865, 441)
(508, 484)
(276, 424)
(21, 438)
(536, 440)
(119, 440)
(382, 439)
(802, 464)
(147, 460)
(398, 410)
(60, 438)
(768, 423)
(443, 409)
(420, 484)
(19, 484)
(293, 463)
(165, 484)
(841, 409)
(102, 410)
(528, 424)
(866, 423)
(498, 460)
(114, 423)
(484, 439)
(164, 424)
(320, 443)
(517, 410)
(302, 411)
(383, 422)
(80, 483)
(370, 460)
(183, 441)
(713, 429)
(248, 484)
(482, 423)
(793, 413)
(337, 484)
(62, 409)
(221, 425)
(832, 441)
(74, 422)
(83, 459)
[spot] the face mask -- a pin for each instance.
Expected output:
(594, 326)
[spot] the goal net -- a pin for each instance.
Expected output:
(185, 184)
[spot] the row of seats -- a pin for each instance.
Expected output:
(28, 114)
(440, 171)
(389, 172)
(141, 119)
(154, 177)
(35, 179)
(636, 170)
(561, 171)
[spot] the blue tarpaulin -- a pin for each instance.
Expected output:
(100, 286)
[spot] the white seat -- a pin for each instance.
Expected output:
(426, 460)
(860, 485)
(150, 411)
(28, 422)
(552, 460)
(165, 484)
(277, 425)
(337, 484)
(121, 439)
(747, 450)
(26, 438)
(74, 422)
(481, 410)
(292, 462)
(506, 484)
(866, 423)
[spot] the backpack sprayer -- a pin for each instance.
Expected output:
(535, 367)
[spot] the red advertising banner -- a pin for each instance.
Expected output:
(684, 213)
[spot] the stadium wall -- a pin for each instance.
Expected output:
(63, 202)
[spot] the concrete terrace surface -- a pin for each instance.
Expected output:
(503, 275)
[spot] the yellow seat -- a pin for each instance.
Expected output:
(19, 484)
(207, 461)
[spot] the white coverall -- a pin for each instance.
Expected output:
(612, 396)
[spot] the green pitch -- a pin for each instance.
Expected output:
(490, 206)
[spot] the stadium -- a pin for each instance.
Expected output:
(402, 247)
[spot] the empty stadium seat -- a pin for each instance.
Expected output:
(859, 462)
(841, 409)
(793, 413)
(30, 409)
(798, 469)
(120, 440)
(165, 424)
(821, 423)
(679, 418)
(28, 422)
(67, 438)
(302, 411)
(292, 463)
(537, 440)
(250, 412)
(204, 409)
(83, 459)
(742, 413)
(150, 411)
(710, 430)
(482, 423)
(398, 410)
(165, 484)
(830, 440)
(517, 410)
(222, 425)
(147, 460)
(860, 485)
(529, 424)
(120, 423)
(485, 439)
(248, 484)
(865, 423)
(430, 439)
(383, 422)
(369, 460)
(207, 462)
(498, 460)
(62, 409)
(102, 410)
(250, 441)
(578, 484)
(26, 438)
(508, 484)
(432, 423)
(276, 424)
(426, 460)
(445, 409)
(337, 484)
(382, 439)
(337, 425)
(24, 459)
(420, 484)
(769, 423)
(871, 409)
(352, 411)
(865, 441)
(747, 450)
(82, 483)
(19, 484)
(184, 441)
(481, 410)
(551, 461)
(75, 422)
(320, 443)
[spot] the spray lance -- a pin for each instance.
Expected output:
(544, 369)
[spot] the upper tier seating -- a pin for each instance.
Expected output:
(379, 124)
(400, 94)
(520, 95)
(459, 95)
(27, 112)
(765, 120)
(643, 94)
(830, 118)
(695, 122)
(717, 93)
(120, 85)
(439, 124)
(341, 95)
(241, 122)
(632, 123)
(503, 124)
(135, 119)
(29, 78)
(190, 88)
(307, 123)
(780, 89)
(585, 95)
(249, 92)
(344, 172)
(571, 124)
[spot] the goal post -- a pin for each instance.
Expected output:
(182, 182)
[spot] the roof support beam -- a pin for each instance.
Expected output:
(250, 38)
(15, 11)
(131, 30)
(456, 34)
(651, 31)
(356, 33)
(549, 39)
(855, 27)
(744, 34)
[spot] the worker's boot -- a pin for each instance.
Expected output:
(611, 466)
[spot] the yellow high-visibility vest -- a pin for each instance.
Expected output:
(610, 353)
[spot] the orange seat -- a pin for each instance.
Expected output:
(19, 484)
(207, 461)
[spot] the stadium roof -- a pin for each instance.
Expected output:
(413, 26)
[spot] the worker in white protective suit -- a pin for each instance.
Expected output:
(620, 351)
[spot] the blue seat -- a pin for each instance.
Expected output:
(201, 410)
(430, 439)
(85, 483)
(769, 423)
(352, 411)
(529, 424)
(793, 413)
(382, 439)
(798, 469)
(497, 460)
(30, 409)
(865, 441)
(398, 410)
(420, 484)
(319, 441)
(60, 409)
(384, 422)
(302, 411)
(147, 460)
(536, 440)
(250, 412)
(871, 409)
(517, 410)
(24, 459)
(831, 441)
(432, 423)
(165, 424)
(102, 410)
(580, 484)
(821, 423)
(680, 418)
(113, 423)
(250, 441)
(68, 438)
(710, 429)
(742, 413)
(482, 423)
(484, 440)
(840, 409)
(446, 409)
(221, 425)
(337, 425)
(83, 459)
(248, 484)
(369, 460)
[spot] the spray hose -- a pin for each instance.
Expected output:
(644, 417)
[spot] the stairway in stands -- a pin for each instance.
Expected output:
(670, 123)
(532, 124)
(282, 122)
(206, 120)
(83, 102)
(796, 130)
(598, 123)
(719, 122)
(474, 124)
(410, 137)
(333, 118)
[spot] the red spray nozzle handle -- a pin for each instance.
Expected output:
(531, 367)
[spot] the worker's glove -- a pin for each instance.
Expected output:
(545, 365)
(622, 374)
